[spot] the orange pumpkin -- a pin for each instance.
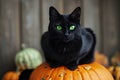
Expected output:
(92, 71)
(11, 76)
(115, 71)
(101, 58)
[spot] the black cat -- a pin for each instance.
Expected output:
(66, 42)
(25, 74)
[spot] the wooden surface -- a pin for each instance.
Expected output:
(24, 21)
(91, 18)
(110, 27)
(9, 34)
(30, 25)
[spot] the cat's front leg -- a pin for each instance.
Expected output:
(72, 65)
(53, 63)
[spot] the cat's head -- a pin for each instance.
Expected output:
(64, 27)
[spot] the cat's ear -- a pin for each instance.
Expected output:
(75, 15)
(53, 13)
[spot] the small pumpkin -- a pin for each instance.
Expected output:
(28, 58)
(115, 71)
(92, 71)
(115, 59)
(11, 75)
(115, 65)
(101, 58)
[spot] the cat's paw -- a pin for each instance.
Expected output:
(54, 65)
(72, 66)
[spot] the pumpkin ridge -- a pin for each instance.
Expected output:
(60, 73)
(92, 73)
(45, 74)
(41, 75)
(54, 73)
(84, 70)
(96, 74)
(76, 75)
(101, 73)
(65, 73)
(107, 74)
(88, 74)
(26, 60)
(81, 70)
(89, 70)
(68, 74)
(102, 70)
(36, 71)
(43, 69)
(49, 74)
(73, 75)
(29, 60)
(21, 60)
(95, 71)
(94, 68)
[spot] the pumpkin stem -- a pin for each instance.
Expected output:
(23, 46)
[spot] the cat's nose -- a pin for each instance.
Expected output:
(66, 34)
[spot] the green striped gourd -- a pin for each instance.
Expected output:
(28, 58)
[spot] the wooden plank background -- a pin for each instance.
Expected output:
(110, 27)
(9, 34)
(24, 21)
(30, 29)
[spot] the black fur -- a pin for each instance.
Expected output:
(25, 75)
(66, 47)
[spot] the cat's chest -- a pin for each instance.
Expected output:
(64, 49)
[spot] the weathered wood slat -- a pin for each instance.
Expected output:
(30, 24)
(91, 18)
(58, 4)
(9, 34)
(109, 27)
(70, 5)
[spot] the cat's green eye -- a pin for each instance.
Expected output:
(59, 27)
(72, 27)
